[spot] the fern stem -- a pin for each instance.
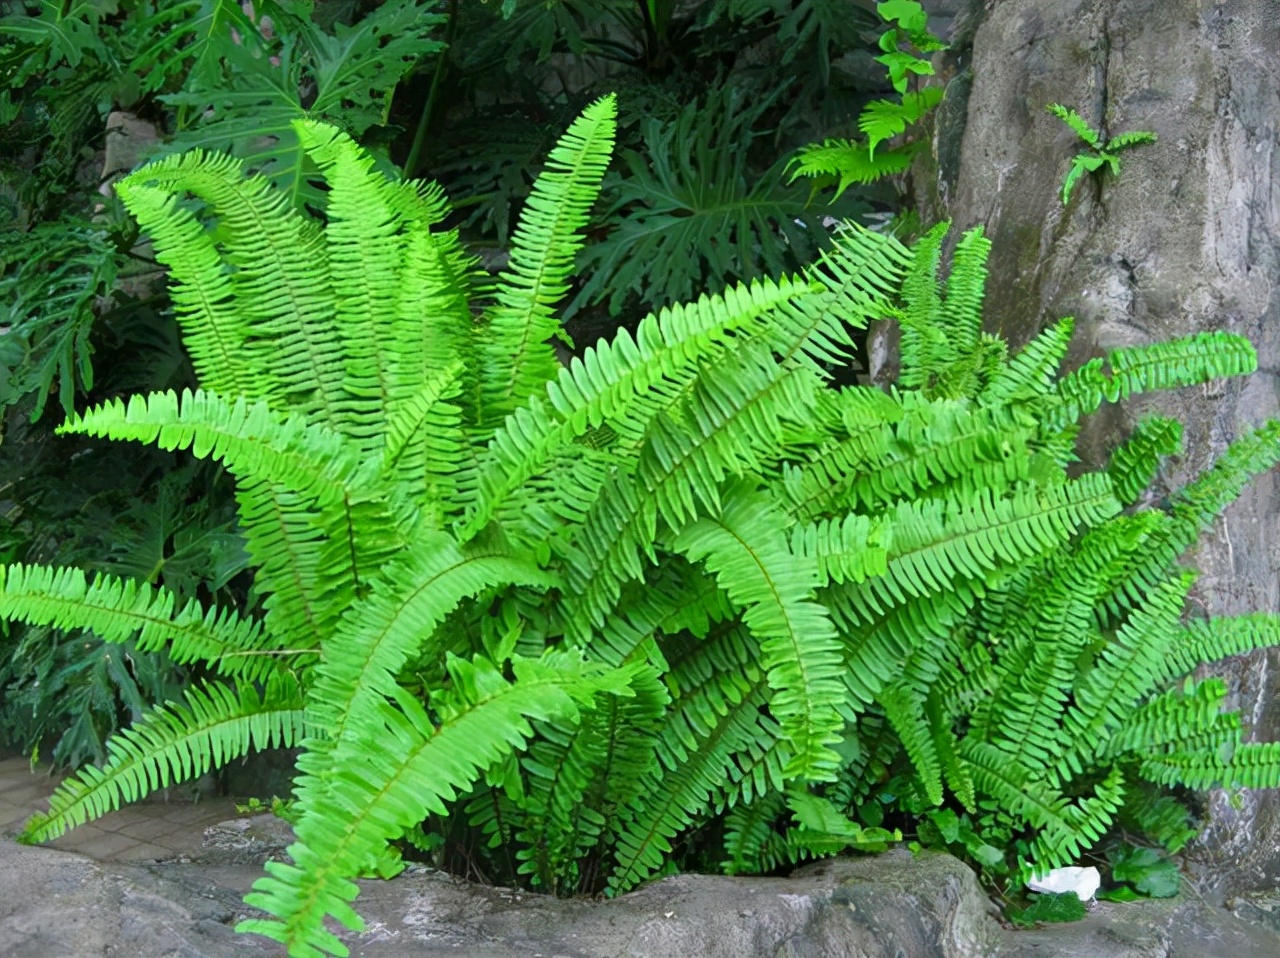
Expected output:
(437, 80)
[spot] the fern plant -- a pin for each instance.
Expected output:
(1102, 152)
(850, 162)
(1061, 702)
(571, 613)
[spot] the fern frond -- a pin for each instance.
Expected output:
(1134, 465)
(1077, 123)
(1187, 361)
(414, 767)
(1034, 371)
(850, 162)
(1194, 509)
(710, 722)
(252, 440)
(747, 831)
(365, 257)
(1128, 666)
(881, 120)
(279, 277)
(173, 743)
(1122, 141)
(426, 448)
(935, 543)
(412, 596)
(120, 610)
(215, 332)
(966, 286)
(744, 546)
(518, 359)
(730, 422)
(612, 379)
(904, 708)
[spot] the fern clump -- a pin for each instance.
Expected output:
(556, 617)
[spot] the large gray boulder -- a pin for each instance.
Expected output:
(56, 904)
(1186, 239)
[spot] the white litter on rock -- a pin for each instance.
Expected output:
(1083, 881)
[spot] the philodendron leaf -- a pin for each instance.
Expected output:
(1151, 874)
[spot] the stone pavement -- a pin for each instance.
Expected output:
(154, 828)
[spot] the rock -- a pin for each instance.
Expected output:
(56, 904)
(246, 841)
(1185, 239)
(1164, 928)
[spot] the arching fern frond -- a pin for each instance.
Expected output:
(119, 610)
(415, 765)
(176, 743)
(746, 549)
(1187, 361)
(250, 439)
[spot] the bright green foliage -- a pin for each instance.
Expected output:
(1101, 152)
(578, 611)
(849, 162)
(1041, 700)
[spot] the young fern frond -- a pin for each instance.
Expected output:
(365, 258)
(175, 743)
(518, 359)
(1033, 372)
(966, 286)
(279, 277)
(215, 330)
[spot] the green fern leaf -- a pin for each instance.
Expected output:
(175, 743)
(1077, 123)
(797, 642)
(850, 162)
(121, 610)
(415, 766)
(519, 360)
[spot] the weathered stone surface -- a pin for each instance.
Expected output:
(1186, 239)
(56, 904)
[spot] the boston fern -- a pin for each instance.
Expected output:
(576, 611)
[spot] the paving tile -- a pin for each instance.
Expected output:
(148, 829)
(142, 853)
(13, 817)
(203, 813)
(72, 840)
(25, 794)
(104, 847)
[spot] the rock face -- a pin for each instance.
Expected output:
(1186, 239)
(55, 904)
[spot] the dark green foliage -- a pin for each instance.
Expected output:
(1048, 908)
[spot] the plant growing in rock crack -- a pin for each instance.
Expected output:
(1101, 152)
(577, 613)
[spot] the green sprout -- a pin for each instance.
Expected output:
(1100, 152)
